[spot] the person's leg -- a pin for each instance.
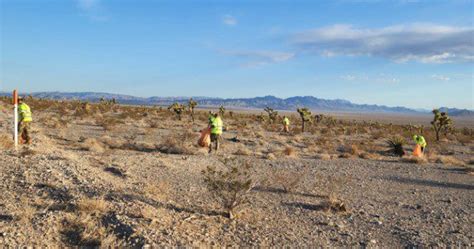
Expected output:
(213, 139)
(217, 141)
(21, 136)
(210, 145)
(26, 132)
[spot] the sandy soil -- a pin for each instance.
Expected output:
(80, 184)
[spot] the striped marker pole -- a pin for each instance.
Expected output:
(15, 113)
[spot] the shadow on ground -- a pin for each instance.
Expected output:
(429, 183)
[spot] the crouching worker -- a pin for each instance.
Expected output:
(420, 145)
(24, 119)
(216, 125)
(286, 124)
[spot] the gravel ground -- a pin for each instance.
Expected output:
(151, 198)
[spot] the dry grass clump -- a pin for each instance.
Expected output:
(242, 150)
(158, 190)
(369, 156)
(413, 159)
(85, 228)
(25, 212)
(27, 151)
(92, 206)
(6, 141)
(323, 156)
(173, 145)
(289, 151)
(113, 142)
(91, 144)
(333, 204)
(334, 186)
(349, 149)
(270, 156)
(448, 160)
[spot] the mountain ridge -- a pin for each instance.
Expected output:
(291, 103)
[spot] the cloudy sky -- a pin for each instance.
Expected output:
(412, 53)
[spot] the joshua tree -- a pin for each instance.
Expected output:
(305, 115)
(222, 110)
(177, 108)
(441, 121)
(191, 105)
(272, 114)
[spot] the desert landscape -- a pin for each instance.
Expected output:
(109, 175)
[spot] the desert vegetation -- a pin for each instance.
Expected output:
(109, 175)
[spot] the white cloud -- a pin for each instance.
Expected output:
(259, 57)
(92, 9)
(88, 4)
(348, 77)
(229, 20)
(440, 77)
(424, 43)
(381, 78)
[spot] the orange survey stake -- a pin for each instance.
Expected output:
(15, 97)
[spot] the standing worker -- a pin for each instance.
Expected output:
(24, 119)
(420, 141)
(216, 125)
(286, 124)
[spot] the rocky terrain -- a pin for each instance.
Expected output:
(104, 176)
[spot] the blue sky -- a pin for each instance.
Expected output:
(411, 53)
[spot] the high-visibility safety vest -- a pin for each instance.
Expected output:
(420, 140)
(24, 113)
(286, 121)
(216, 126)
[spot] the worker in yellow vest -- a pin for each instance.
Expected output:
(216, 125)
(286, 124)
(24, 119)
(420, 140)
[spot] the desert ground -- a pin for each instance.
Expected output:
(106, 175)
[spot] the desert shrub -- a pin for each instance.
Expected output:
(109, 123)
(464, 139)
(378, 134)
(333, 186)
(230, 187)
(395, 145)
(288, 180)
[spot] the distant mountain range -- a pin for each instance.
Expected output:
(316, 104)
